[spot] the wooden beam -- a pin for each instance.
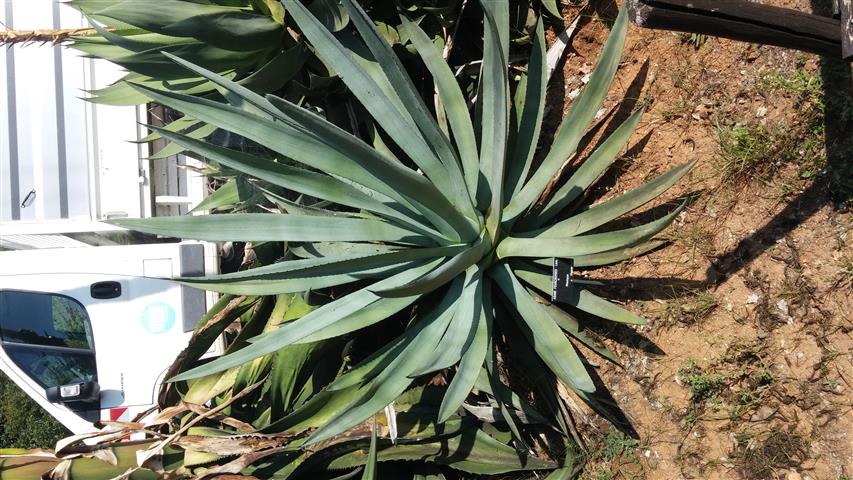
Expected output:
(845, 12)
(744, 21)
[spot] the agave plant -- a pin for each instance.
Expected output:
(247, 41)
(244, 41)
(452, 228)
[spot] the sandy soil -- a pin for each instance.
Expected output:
(745, 370)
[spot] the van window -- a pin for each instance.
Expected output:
(44, 319)
(48, 336)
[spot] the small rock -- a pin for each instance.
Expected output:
(762, 414)
(761, 112)
(792, 475)
(753, 298)
(782, 305)
(574, 94)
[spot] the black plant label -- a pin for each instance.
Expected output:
(562, 280)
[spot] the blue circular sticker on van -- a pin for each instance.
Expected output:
(158, 317)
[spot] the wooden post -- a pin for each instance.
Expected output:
(845, 8)
(745, 21)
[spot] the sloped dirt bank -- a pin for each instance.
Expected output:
(745, 370)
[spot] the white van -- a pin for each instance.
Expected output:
(89, 336)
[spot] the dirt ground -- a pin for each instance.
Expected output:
(745, 370)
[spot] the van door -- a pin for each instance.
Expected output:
(117, 333)
(48, 339)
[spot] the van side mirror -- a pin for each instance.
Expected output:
(86, 392)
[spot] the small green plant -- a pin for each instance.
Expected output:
(804, 85)
(740, 382)
(829, 384)
(750, 393)
(695, 39)
(745, 148)
(844, 277)
(760, 148)
(617, 444)
(612, 457)
(703, 386)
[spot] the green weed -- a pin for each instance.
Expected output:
(805, 86)
(844, 277)
(738, 384)
(695, 39)
(758, 148)
(614, 457)
(703, 386)
(745, 149)
(617, 444)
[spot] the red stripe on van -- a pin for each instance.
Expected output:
(116, 413)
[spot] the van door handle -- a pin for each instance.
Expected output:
(105, 290)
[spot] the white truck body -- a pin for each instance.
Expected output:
(66, 164)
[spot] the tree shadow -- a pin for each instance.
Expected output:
(651, 288)
(834, 186)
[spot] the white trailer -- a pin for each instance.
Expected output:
(66, 164)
